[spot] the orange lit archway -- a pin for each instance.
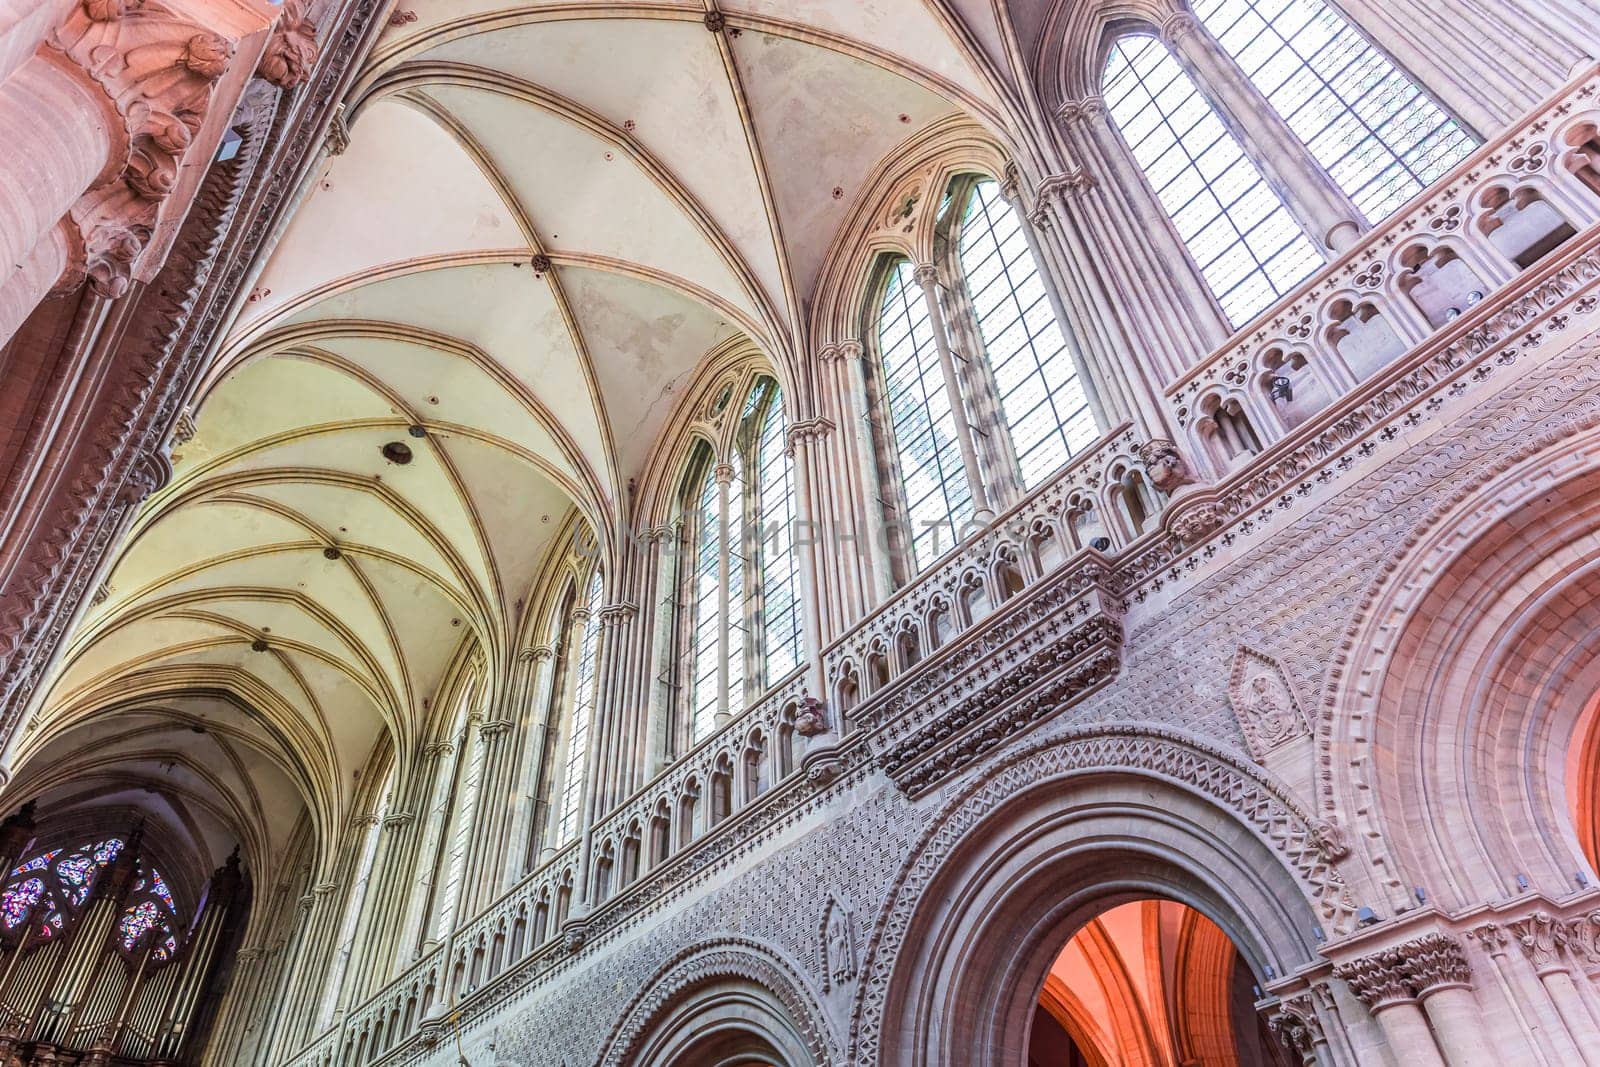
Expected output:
(1149, 983)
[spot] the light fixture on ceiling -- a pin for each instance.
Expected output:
(258, 645)
(397, 452)
(417, 430)
(331, 553)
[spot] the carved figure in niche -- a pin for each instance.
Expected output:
(838, 945)
(1264, 702)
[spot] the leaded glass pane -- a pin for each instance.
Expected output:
(582, 714)
(737, 624)
(1232, 222)
(704, 636)
(18, 901)
(780, 573)
(1040, 393)
(1379, 137)
(938, 500)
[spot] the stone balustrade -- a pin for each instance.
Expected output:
(1516, 201)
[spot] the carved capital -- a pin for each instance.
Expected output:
(1378, 981)
(398, 820)
(493, 728)
(1177, 26)
(1583, 938)
(852, 350)
(1295, 1023)
(618, 614)
(1492, 936)
(542, 653)
(926, 275)
(724, 473)
(436, 749)
(1542, 938)
(1435, 962)
(803, 433)
(291, 51)
(1086, 110)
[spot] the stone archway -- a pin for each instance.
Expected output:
(732, 1002)
(1056, 833)
(1454, 728)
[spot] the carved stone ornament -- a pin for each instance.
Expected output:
(291, 51)
(839, 963)
(1264, 702)
(1416, 968)
(157, 70)
(1165, 465)
(1296, 1024)
(1543, 938)
(812, 718)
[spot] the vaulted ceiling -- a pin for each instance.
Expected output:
(546, 217)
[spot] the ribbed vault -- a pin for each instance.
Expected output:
(544, 220)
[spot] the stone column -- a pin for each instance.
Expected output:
(1442, 978)
(1324, 211)
(1544, 939)
(1523, 992)
(863, 508)
(1380, 982)
(489, 851)
(805, 438)
(927, 276)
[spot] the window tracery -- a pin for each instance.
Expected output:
(1238, 231)
(740, 583)
(1370, 127)
(1012, 380)
(583, 703)
(51, 888)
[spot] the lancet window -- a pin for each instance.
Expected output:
(1366, 133)
(976, 385)
(740, 583)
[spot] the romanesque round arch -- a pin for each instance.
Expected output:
(1471, 666)
(1068, 825)
(719, 1001)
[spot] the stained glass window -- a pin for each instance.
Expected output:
(1247, 245)
(137, 920)
(938, 500)
(1376, 133)
(582, 714)
(38, 862)
(17, 902)
(160, 889)
(705, 633)
(1045, 405)
(775, 509)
